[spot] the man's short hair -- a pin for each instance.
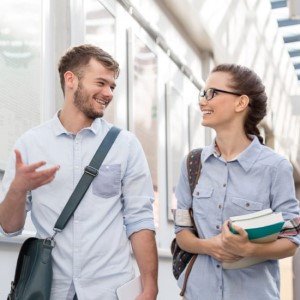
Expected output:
(78, 57)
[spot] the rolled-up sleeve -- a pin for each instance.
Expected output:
(183, 192)
(283, 198)
(137, 191)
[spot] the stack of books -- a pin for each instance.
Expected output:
(262, 227)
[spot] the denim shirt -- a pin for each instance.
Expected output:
(92, 254)
(257, 179)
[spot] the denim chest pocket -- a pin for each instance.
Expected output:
(243, 205)
(202, 193)
(202, 201)
(108, 182)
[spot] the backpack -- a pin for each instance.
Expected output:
(182, 259)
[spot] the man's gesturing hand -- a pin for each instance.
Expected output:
(28, 178)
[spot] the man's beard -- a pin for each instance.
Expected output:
(82, 102)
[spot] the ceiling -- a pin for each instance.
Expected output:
(289, 28)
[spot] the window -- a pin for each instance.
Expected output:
(20, 70)
(143, 107)
(177, 140)
(100, 31)
(196, 130)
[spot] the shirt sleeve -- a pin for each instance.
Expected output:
(8, 177)
(183, 193)
(283, 197)
(137, 191)
(290, 228)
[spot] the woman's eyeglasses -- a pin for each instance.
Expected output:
(212, 92)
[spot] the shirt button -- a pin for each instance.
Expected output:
(197, 193)
(219, 206)
(247, 204)
(218, 266)
(218, 227)
(224, 184)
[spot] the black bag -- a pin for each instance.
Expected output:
(182, 259)
(33, 276)
(34, 265)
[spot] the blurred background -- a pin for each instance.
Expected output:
(166, 49)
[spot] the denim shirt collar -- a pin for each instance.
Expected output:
(246, 158)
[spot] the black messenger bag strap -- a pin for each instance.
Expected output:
(90, 172)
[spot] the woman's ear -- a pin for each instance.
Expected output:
(242, 103)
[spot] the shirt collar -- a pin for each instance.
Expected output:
(246, 158)
(209, 151)
(59, 129)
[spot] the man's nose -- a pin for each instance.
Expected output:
(108, 92)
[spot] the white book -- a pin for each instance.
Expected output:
(261, 218)
(130, 290)
(262, 227)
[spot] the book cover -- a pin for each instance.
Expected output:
(130, 290)
(262, 227)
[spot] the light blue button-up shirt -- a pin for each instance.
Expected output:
(92, 254)
(257, 179)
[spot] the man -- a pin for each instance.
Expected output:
(92, 254)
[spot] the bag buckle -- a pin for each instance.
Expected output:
(91, 171)
(50, 241)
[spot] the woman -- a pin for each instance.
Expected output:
(239, 176)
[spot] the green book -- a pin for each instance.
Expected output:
(262, 227)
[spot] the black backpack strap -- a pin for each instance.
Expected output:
(194, 167)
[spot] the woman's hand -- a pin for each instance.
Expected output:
(236, 244)
(217, 249)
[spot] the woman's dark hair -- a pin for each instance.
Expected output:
(246, 82)
(76, 58)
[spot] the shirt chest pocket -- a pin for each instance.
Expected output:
(108, 182)
(244, 206)
(202, 201)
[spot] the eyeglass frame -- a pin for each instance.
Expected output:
(213, 94)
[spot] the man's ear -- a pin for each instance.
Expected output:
(242, 103)
(71, 81)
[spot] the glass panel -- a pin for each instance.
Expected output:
(20, 70)
(177, 140)
(144, 107)
(196, 130)
(100, 31)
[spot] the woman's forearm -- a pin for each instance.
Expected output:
(189, 242)
(278, 249)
